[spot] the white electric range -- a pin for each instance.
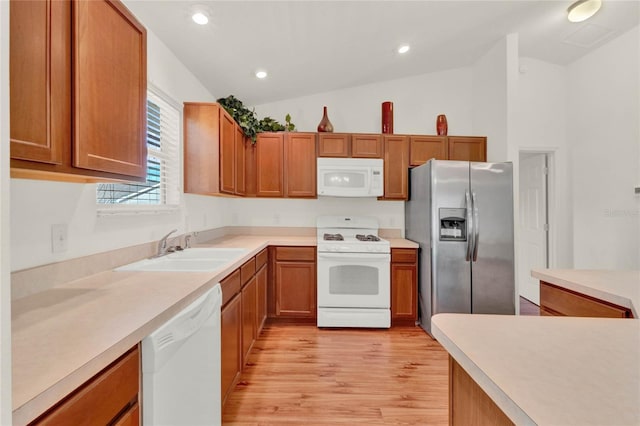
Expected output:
(354, 277)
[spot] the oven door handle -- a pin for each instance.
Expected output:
(360, 256)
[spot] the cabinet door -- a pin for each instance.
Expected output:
(40, 83)
(396, 167)
(366, 146)
(333, 144)
(424, 148)
(250, 172)
(227, 153)
(261, 299)
(201, 148)
(295, 289)
(240, 141)
(110, 89)
(230, 341)
(300, 165)
(404, 289)
(468, 148)
(101, 399)
(270, 165)
(249, 295)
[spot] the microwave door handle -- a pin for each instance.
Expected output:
(468, 207)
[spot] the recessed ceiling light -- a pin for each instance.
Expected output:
(404, 48)
(261, 74)
(583, 10)
(200, 18)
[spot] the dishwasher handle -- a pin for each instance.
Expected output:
(159, 346)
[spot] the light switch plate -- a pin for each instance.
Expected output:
(59, 238)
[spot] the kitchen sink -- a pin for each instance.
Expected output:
(189, 260)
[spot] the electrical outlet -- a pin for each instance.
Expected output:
(59, 238)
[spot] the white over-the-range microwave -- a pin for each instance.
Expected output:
(350, 177)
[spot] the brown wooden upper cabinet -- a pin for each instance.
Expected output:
(286, 165)
(214, 151)
(334, 144)
(464, 148)
(424, 148)
(58, 129)
(270, 165)
(471, 148)
(366, 146)
(396, 167)
(300, 165)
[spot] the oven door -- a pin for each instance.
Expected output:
(354, 280)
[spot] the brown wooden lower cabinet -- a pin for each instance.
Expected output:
(404, 286)
(558, 301)
(244, 302)
(249, 308)
(294, 282)
(111, 397)
(230, 343)
(468, 403)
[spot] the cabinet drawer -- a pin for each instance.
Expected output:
(568, 303)
(261, 259)
(296, 253)
(403, 255)
(102, 398)
(248, 270)
(230, 286)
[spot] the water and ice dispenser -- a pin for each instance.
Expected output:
(453, 225)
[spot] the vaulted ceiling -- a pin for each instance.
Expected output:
(316, 46)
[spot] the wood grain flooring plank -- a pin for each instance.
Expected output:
(302, 375)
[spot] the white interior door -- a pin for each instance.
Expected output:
(533, 245)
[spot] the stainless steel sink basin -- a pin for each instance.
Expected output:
(190, 260)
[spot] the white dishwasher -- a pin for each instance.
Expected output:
(181, 367)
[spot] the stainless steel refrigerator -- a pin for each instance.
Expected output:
(461, 215)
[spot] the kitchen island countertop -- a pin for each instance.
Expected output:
(64, 335)
(550, 370)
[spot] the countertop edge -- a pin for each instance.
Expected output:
(552, 276)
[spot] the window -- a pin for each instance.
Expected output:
(161, 191)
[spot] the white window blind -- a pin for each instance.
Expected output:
(161, 191)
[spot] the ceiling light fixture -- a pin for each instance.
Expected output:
(200, 18)
(404, 48)
(261, 74)
(583, 10)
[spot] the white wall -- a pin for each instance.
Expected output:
(36, 205)
(303, 213)
(489, 100)
(5, 279)
(417, 101)
(540, 124)
(604, 137)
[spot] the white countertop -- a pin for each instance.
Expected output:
(550, 370)
(621, 288)
(63, 336)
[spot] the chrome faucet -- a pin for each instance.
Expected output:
(162, 244)
(187, 239)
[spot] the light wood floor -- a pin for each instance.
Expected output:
(302, 375)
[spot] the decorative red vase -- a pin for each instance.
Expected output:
(387, 117)
(441, 125)
(325, 125)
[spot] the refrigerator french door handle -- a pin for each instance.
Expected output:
(469, 207)
(476, 226)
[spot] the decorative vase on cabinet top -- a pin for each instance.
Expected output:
(387, 117)
(325, 125)
(441, 125)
